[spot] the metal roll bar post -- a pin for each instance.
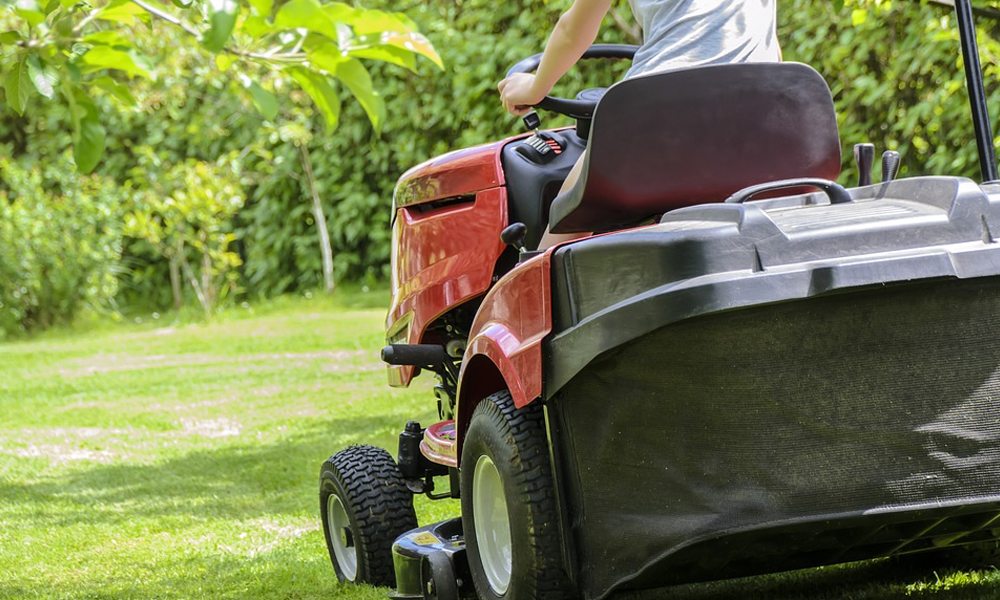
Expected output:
(977, 90)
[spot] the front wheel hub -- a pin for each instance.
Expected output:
(492, 524)
(340, 535)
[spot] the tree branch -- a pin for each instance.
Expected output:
(326, 249)
(169, 18)
(991, 13)
(631, 30)
(86, 20)
(190, 29)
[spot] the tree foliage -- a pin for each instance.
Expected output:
(110, 72)
(896, 72)
(70, 50)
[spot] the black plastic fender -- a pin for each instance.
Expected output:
(430, 563)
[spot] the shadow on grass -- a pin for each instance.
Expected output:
(227, 485)
(232, 482)
(279, 479)
(286, 574)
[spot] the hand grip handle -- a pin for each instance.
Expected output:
(835, 191)
(514, 234)
(415, 355)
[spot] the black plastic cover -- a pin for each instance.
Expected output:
(432, 556)
(531, 186)
(746, 389)
(611, 289)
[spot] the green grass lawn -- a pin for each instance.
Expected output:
(160, 460)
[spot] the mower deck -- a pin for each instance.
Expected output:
(766, 422)
(430, 562)
(824, 540)
(433, 559)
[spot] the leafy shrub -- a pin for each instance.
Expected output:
(59, 245)
(185, 215)
(896, 73)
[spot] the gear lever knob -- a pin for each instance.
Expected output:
(864, 158)
(514, 234)
(890, 165)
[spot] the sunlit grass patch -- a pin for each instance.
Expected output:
(183, 461)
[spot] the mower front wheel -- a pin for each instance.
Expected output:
(508, 504)
(365, 506)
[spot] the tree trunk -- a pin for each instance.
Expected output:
(627, 25)
(175, 282)
(196, 286)
(317, 208)
(207, 281)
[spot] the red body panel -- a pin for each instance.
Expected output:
(505, 343)
(459, 173)
(443, 257)
(509, 327)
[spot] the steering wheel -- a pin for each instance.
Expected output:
(577, 109)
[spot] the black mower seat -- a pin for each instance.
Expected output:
(698, 135)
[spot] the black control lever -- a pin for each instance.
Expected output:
(864, 158)
(514, 234)
(532, 121)
(890, 165)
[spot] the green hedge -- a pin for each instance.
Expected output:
(893, 66)
(896, 74)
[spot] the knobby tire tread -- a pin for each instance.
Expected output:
(524, 428)
(376, 497)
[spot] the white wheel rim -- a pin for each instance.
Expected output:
(341, 537)
(492, 524)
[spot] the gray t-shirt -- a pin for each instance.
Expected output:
(691, 33)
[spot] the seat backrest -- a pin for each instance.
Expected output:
(697, 135)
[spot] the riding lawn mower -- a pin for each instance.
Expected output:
(746, 368)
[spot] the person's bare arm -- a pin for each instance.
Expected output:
(575, 31)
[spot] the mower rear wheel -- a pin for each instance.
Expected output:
(365, 506)
(508, 504)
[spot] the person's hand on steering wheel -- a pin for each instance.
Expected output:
(574, 32)
(518, 93)
(523, 88)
